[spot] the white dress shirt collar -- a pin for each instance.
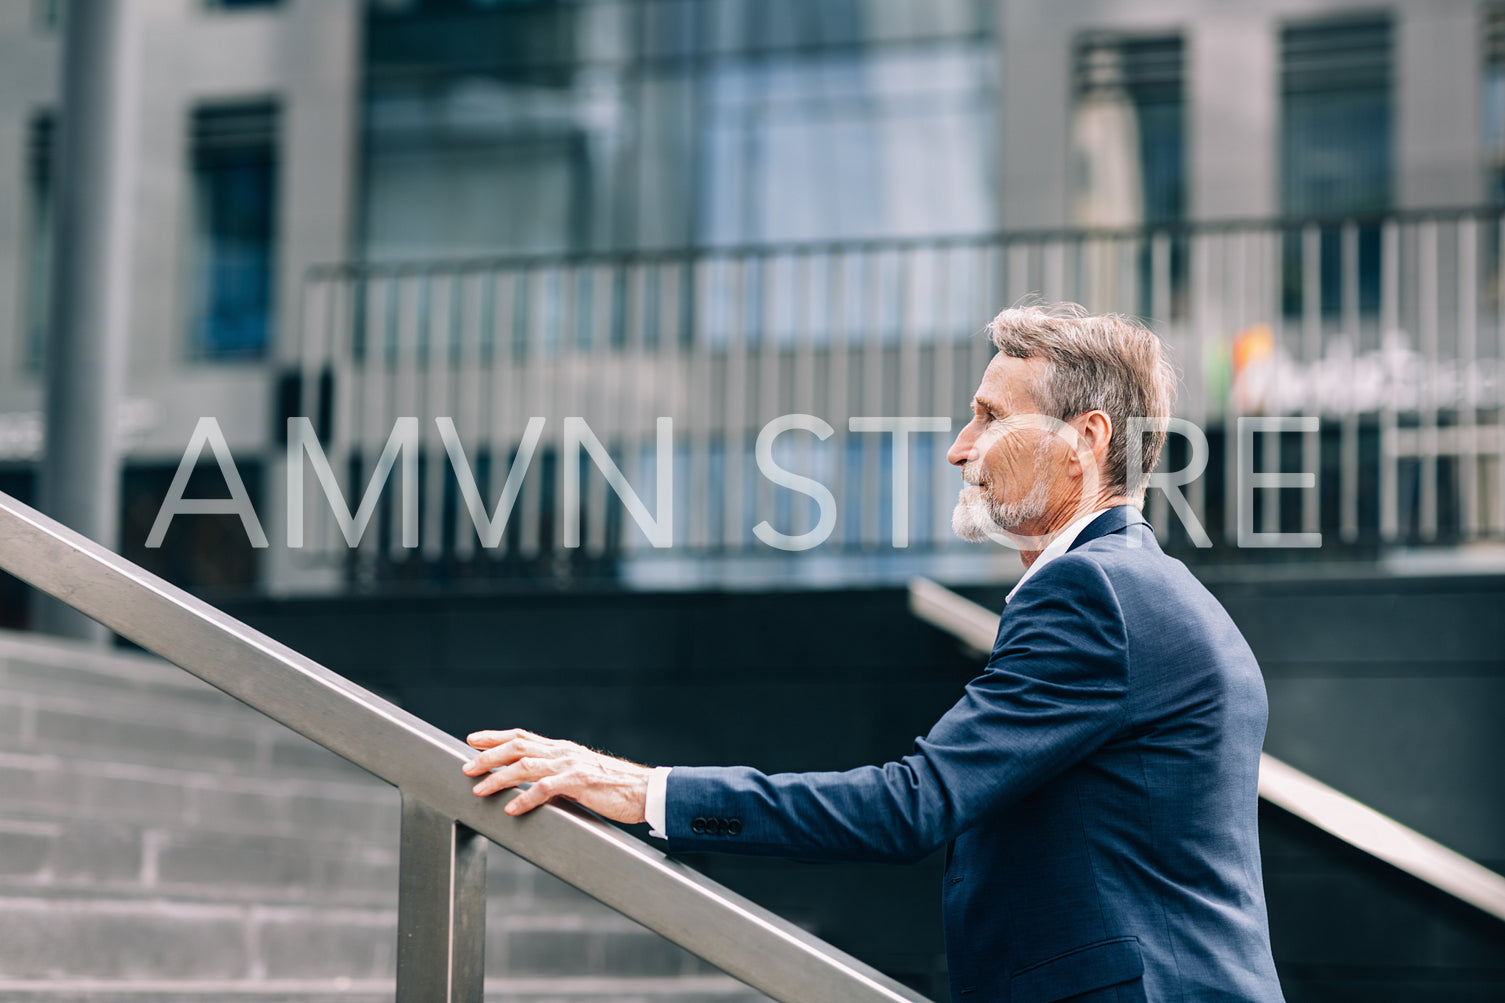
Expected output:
(1055, 548)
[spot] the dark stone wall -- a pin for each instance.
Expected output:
(1390, 689)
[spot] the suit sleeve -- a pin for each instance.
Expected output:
(1053, 692)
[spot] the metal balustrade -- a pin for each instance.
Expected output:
(1389, 330)
(441, 900)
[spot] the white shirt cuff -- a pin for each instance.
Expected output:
(656, 808)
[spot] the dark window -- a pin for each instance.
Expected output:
(1138, 82)
(1128, 157)
(1494, 101)
(1336, 117)
(1336, 146)
(39, 183)
(233, 254)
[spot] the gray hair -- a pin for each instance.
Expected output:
(1103, 362)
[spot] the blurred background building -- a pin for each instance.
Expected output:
(725, 211)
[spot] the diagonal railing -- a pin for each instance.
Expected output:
(1284, 786)
(441, 900)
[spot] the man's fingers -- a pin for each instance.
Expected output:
(491, 739)
(505, 754)
(525, 770)
(531, 798)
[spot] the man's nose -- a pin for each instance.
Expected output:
(964, 448)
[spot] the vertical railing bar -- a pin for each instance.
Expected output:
(594, 374)
(669, 369)
(735, 418)
(942, 388)
(532, 371)
(700, 397)
(1427, 325)
(1499, 401)
(316, 313)
(1161, 320)
(1234, 266)
(470, 404)
(1311, 353)
(872, 396)
(909, 390)
(1468, 319)
(1270, 442)
(839, 373)
(378, 369)
(1053, 269)
(441, 908)
(1160, 313)
(1160, 279)
(768, 372)
(507, 407)
(1125, 298)
(342, 379)
(1203, 328)
(333, 350)
(634, 394)
(406, 396)
(437, 353)
(1016, 263)
(564, 344)
(1389, 344)
(1348, 442)
(803, 401)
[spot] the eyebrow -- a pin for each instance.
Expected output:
(993, 406)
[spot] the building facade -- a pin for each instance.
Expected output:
(726, 213)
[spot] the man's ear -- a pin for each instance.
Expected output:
(1094, 433)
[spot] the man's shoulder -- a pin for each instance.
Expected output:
(1128, 571)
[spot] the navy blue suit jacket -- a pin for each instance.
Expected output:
(1097, 785)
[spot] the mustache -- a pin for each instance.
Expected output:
(972, 474)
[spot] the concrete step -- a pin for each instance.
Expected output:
(100, 787)
(164, 730)
(696, 989)
(63, 699)
(40, 664)
(165, 938)
(122, 859)
(125, 859)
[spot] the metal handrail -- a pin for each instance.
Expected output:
(1280, 784)
(441, 902)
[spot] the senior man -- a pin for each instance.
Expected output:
(1096, 785)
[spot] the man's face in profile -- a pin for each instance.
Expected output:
(1008, 458)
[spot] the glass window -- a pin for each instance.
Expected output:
(1128, 131)
(233, 253)
(1128, 143)
(1494, 102)
(38, 293)
(1336, 120)
(1337, 135)
(541, 127)
(849, 145)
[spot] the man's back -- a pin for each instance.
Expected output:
(1143, 856)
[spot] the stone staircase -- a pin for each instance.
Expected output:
(160, 841)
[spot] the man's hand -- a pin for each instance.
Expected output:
(557, 769)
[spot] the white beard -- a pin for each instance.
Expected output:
(978, 517)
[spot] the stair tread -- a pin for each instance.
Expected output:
(619, 989)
